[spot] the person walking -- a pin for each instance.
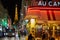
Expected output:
(51, 38)
(16, 35)
(30, 37)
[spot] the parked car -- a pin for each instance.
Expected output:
(9, 33)
(1, 34)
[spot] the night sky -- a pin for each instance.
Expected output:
(10, 6)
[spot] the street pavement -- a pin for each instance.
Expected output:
(12, 38)
(21, 38)
(8, 38)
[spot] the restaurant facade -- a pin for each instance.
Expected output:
(44, 14)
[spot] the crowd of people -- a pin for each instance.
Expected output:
(44, 35)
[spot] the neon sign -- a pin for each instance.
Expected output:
(50, 3)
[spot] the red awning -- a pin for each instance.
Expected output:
(43, 8)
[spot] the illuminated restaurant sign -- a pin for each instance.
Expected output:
(50, 3)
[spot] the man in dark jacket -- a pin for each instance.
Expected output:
(10, 5)
(30, 37)
(52, 38)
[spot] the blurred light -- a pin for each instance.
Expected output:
(57, 27)
(32, 23)
(4, 22)
(2, 19)
(0, 28)
(16, 13)
(21, 14)
(48, 27)
(26, 20)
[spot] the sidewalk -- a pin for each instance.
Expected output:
(26, 38)
(23, 38)
(38, 38)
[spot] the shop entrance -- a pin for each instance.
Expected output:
(54, 30)
(49, 29)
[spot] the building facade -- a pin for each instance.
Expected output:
(44, 10)
(46, 14)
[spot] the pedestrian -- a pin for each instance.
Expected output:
(43, 36)
(51, 38)
(16, 35)
(30, 37)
